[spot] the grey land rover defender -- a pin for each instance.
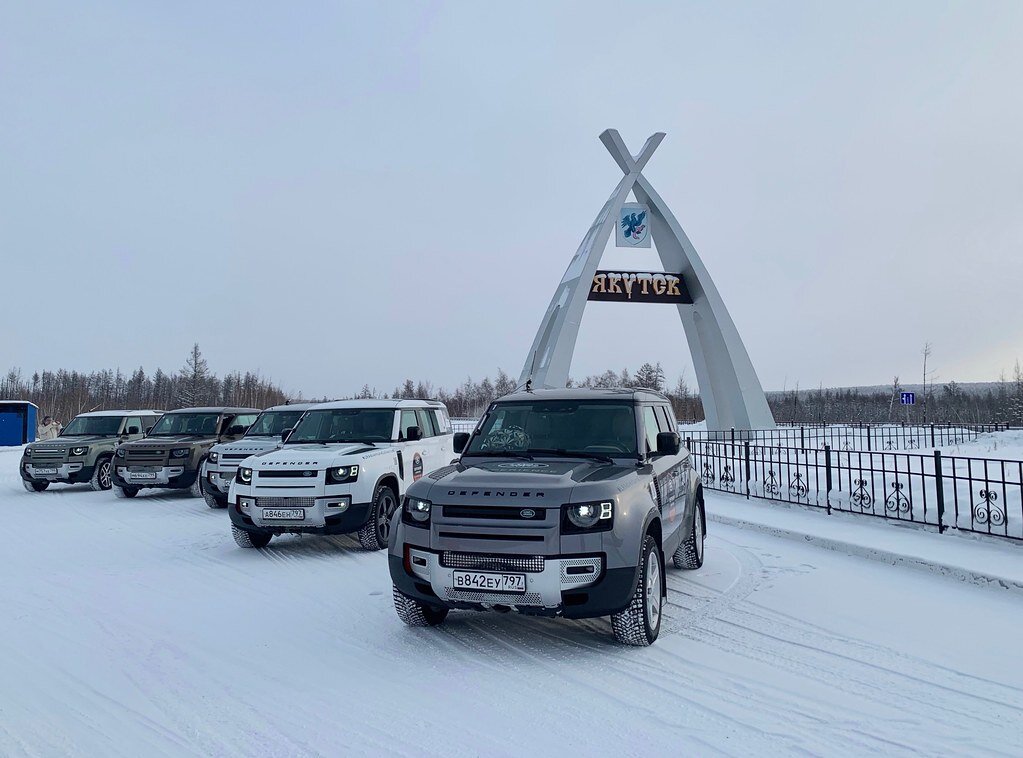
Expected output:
(563, 503)
(171, 455)
(82, 452)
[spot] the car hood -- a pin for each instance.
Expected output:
(316, 455)
(252, 445)
(503, 478)
(76, 441)
(150, 443)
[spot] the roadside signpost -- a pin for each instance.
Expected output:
(908, 398)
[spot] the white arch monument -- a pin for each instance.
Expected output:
(729, 388)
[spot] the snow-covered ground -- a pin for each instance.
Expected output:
(136, 627)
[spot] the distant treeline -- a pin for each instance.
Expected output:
(64, 394)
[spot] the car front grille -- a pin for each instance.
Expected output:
(44, 456)
(285, 502)
(532, 564)
(235, 456)
(504, 512)
(494, 598)
(145, 456)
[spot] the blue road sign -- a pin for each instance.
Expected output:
(909, 398)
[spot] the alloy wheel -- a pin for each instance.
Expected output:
(653, 589)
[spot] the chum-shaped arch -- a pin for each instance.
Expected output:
(729, 387)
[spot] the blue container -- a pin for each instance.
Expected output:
(17, 422)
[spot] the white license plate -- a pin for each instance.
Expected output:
(46, 471)
(285, 514)
(487, 582)
(141, 475)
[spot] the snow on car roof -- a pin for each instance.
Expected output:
(386, 404)
(291, 407)
(122, 413)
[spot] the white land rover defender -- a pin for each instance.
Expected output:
(343, 469)
(266, 433)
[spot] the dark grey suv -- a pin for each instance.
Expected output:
(563, 503)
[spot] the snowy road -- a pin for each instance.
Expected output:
(138, 628)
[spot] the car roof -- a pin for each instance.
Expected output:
(216, 409)
(585, 393)
(381, 404)
(291, 407)
(119, 412)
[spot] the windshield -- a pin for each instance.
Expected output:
(591, 427)
(88, 426)
(171, 424)
(345, 425)
(273, 423)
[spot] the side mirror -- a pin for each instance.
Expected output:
(414, 433)
(133, 430)
(235, 431)
(668, 443)
(460, 441)
(285, 434)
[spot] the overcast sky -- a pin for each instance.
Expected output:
(348, 193)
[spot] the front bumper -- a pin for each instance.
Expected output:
(65, 472)
(177, 477)
(320, 517)
(218, 480)
(571, 586)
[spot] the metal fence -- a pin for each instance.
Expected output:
(979, 495)
(869, 437)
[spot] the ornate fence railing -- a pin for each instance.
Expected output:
(979, 495)
(869, 437)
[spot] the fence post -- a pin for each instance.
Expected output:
(746, 446)
(932, 436)
(939, 489)
(802, 439)
(733, 435)
(827, 469)
(868, 438)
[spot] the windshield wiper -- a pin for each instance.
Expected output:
(561, 452)
(501, 454)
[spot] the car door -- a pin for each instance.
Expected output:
(413, 452)
(434, 442)
(666, 473)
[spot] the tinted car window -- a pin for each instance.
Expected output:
(135, 422)
(582, 426)
(104, 426)
(650, 429)
(408, 418)
(344, 425)
(427, 423)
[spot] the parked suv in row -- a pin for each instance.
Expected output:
(342, 470)
(266, 433)
(563, 503)
(172, 453)
(84, 449)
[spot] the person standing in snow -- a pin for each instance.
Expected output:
(48, 429)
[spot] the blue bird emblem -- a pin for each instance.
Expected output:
(633, 225)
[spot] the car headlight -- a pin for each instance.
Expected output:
(214, 457)
(244, 475)
(416, 512)
(342, 474)
(588, 517)
(28, 452)
(79, 450)
(120, 452)
(180, 452)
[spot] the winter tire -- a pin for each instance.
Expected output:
(34, 486)
(689, 553)
(125, 491)
(211, 500)
(374, 533)
(414, 613)
(195, 488)
(250, 539)
(100, 480)
(640, 623)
